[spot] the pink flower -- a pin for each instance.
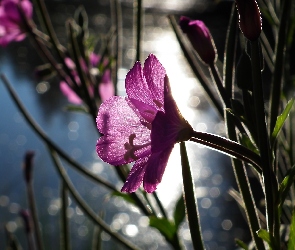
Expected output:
(200, 38)
(105, 86)
(11, 21)
(142, 127)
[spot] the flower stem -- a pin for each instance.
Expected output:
(190, 200)
(65, 235)
(88, 211)
(139, 21)
(50, 143)
(263, 140)
(238, 167)
(228, 147)
(33, 209)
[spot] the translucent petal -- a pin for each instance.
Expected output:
(136, 86)
(154, 73)
(135, 176)
(117, 121)
(155, 169)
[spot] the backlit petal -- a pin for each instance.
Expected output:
(155, 169)
(135, 176)
(117, 121)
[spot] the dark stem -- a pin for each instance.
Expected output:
(228, 147)
(263, 140)
(190, 201)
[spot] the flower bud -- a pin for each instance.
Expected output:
(200, 38)
(249, 18)
(25, 214)
(28, 166)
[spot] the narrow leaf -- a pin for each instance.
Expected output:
(166, 227)
(241, 244)
(179, 212)
(291, 243)
(285, 186)
(281, 120)
(263, 234)
(125, 197)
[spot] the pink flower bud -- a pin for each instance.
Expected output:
(249, 18)
(200, 38)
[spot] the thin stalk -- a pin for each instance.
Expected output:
(197, 70)
(84, 81)
(45, 21)
(88, 211)
(65, 232)
(138, 26)
(228, 147)
(50, 143)
(263, 139)
(190, 200)
(279, 64)
(221, 90)
(238, 167)
(34, 213)
(117, 19)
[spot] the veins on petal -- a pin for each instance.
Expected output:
(131, 148)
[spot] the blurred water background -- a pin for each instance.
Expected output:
(221, 218)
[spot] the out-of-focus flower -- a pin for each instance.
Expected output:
(200, 38)
(11, 20)
(105, 85)
(142, 127)
(249, 19)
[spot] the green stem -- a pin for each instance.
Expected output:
(228, 147)
(33, 209)
(238, 167)
(263, 139)
(190, 200)
(65, 236)
(88, 211)
(277, 79)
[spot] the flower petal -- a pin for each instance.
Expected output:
(136, 86)
(118, 122)
(135, 176)
(154, 73)
(155, 169)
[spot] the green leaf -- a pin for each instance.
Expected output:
(166, 227)
(241, 244)
(76, 108)
(263, 234)
(291, 243)
(285, 185)
(179, 212)
(245, 141)
(281, 120)
(126, 197)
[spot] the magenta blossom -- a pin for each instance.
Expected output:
(105, 86)
(11, 21)
(142, 127)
